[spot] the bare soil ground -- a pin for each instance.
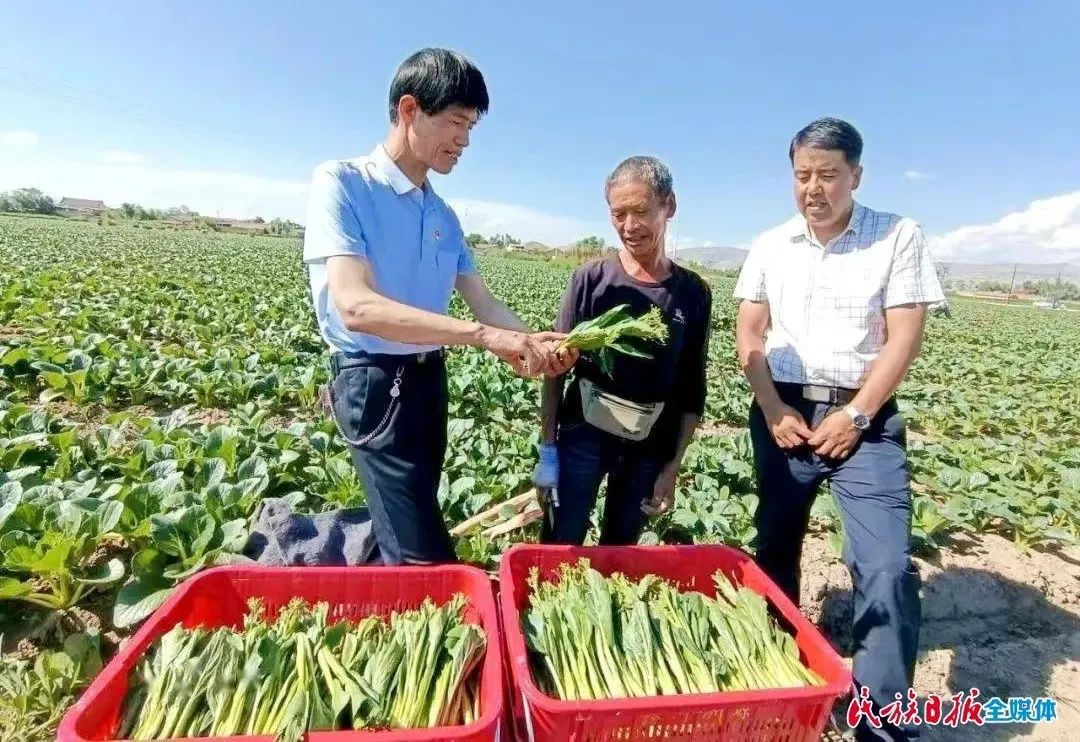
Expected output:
(994, 618)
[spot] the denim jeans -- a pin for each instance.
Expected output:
(400, 465)
(586, 455)
(872, 493)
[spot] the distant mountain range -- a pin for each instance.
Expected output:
(732, 257)
(1004, 271)
(712, 257)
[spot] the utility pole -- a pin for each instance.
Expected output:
(675, 250)
(1011, 283)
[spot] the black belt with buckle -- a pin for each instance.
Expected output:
(339, 361)
(833, 395)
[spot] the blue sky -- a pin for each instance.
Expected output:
(969, 110)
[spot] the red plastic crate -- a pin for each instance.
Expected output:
(775, 715)
(218, 597)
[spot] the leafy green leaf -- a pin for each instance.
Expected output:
(136, 601)
(10, 497)
(107, 573)
(12, 588)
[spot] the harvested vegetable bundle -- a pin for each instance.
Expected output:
(284, 677)
(593, 637)
(611, 332)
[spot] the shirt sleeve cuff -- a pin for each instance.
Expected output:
(750, 296)
(322, 257)
(899, 301)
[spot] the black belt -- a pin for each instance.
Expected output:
(339, 361)
(834, 395)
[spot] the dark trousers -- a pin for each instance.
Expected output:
(397, 445)
(872, 493)
(586, 455)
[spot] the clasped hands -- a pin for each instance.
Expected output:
(834, 438)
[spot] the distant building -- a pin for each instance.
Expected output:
(81, 207)
(243, 225)
(1049, 304)
(225, 221)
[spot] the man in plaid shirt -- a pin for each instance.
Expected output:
(833, 304)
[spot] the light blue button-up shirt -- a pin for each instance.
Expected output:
(412, 239)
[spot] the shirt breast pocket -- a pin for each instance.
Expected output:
(447, 257)
(858, 302)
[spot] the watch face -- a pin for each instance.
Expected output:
(862, 422)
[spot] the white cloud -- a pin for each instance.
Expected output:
(19, 138)
(919, 175)
(122, 180)
(525, 223)
(121, 157)
(1047, 231)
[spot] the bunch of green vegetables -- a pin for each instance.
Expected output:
(612, 331)
(592, 637)
(298, 673)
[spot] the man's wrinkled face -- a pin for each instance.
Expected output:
(824, 186)
(639, 217)
(440, 139)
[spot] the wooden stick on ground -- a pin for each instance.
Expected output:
(515, 505)
(530, 515)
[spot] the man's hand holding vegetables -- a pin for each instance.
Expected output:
(638, 391)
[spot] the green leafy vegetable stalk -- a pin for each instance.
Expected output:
(299, 673)
(593, 637)
(612, 332)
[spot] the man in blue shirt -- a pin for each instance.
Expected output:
(384, 253)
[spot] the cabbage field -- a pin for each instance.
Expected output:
(156, 385)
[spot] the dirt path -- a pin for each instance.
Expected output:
(994, 618)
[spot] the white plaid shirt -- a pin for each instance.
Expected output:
(827, 303)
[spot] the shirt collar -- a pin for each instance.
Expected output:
(389, 169)
(800, 230)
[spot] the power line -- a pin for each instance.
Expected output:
(81, 96)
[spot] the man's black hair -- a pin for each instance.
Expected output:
(438, 79)
(829, 133)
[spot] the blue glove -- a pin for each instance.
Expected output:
(546, 474)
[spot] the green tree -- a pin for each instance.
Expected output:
(474, 239)
(588, 248)
(504, 240)
(30, 201)
(283, 228)
(181, 212)
(1057, 289)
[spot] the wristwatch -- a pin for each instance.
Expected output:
(858, 419)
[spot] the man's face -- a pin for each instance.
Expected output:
(639, 217)
(439, 140)
(824, 184)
